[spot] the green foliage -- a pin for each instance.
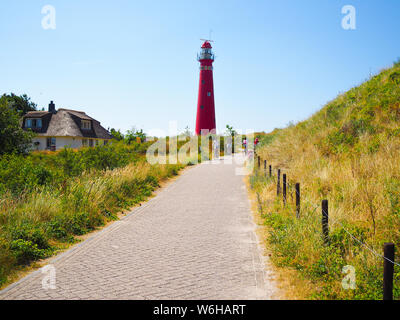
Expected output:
(132, 135)
(341, 140)
(28, 241)
(29, 231)
(7, 260)
(265, 139)
(105, 157)
(291, 239)
(367, 109)
(230, 131)
(13, 139)
(26, 251)
(20, 104)
(23, 173)
(341, 240)
(117, 135)
(59, 229)
(392, 193)
(395, 77)
(19, 173)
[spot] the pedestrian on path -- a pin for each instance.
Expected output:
(228, 148)
(216, 148)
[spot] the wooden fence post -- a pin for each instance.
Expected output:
(297, 200)
(278, 184)
(284, 189)
(388, 268)
(270, 171)
(265, 167)
(259, 203)
(325, 221)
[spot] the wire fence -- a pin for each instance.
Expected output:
(325, 216)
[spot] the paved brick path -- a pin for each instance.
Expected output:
(194, 240)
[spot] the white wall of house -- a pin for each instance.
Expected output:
(40, 143)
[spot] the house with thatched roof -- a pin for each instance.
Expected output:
(56, 129)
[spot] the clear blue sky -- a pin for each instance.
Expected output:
(133, 63)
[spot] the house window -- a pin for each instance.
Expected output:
(33, 123)
(208, 94)
(86, 124)
(90, 142)
(50, 143)
(97, 143)
(84, 142)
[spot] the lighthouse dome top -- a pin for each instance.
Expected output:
(206, 52)
(206, 44)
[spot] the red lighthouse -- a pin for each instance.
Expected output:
(205, 105)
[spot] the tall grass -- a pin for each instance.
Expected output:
(78, 195)
(348, 153)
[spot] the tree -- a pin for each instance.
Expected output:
(117, 134)
(141, 134)
(230, 131)
(132, 134)
(21, 104)
(13, 139)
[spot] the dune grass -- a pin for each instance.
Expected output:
(348, 153)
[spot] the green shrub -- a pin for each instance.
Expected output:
(395, 77)
(19, 173)
(30, 232)
(152, 181)
(340, 239)
(26, 251)
(7, 260)
(57, 230)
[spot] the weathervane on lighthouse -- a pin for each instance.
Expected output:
(205, 119)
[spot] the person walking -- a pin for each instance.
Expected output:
(216, 148)
(228, 148)
(245, 146)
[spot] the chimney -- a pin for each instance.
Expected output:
(52, 107)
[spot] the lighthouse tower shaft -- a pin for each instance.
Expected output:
(205, 119)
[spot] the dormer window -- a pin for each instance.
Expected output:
(86, 125)
(33, 123)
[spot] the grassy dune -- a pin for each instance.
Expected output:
(348, 153)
